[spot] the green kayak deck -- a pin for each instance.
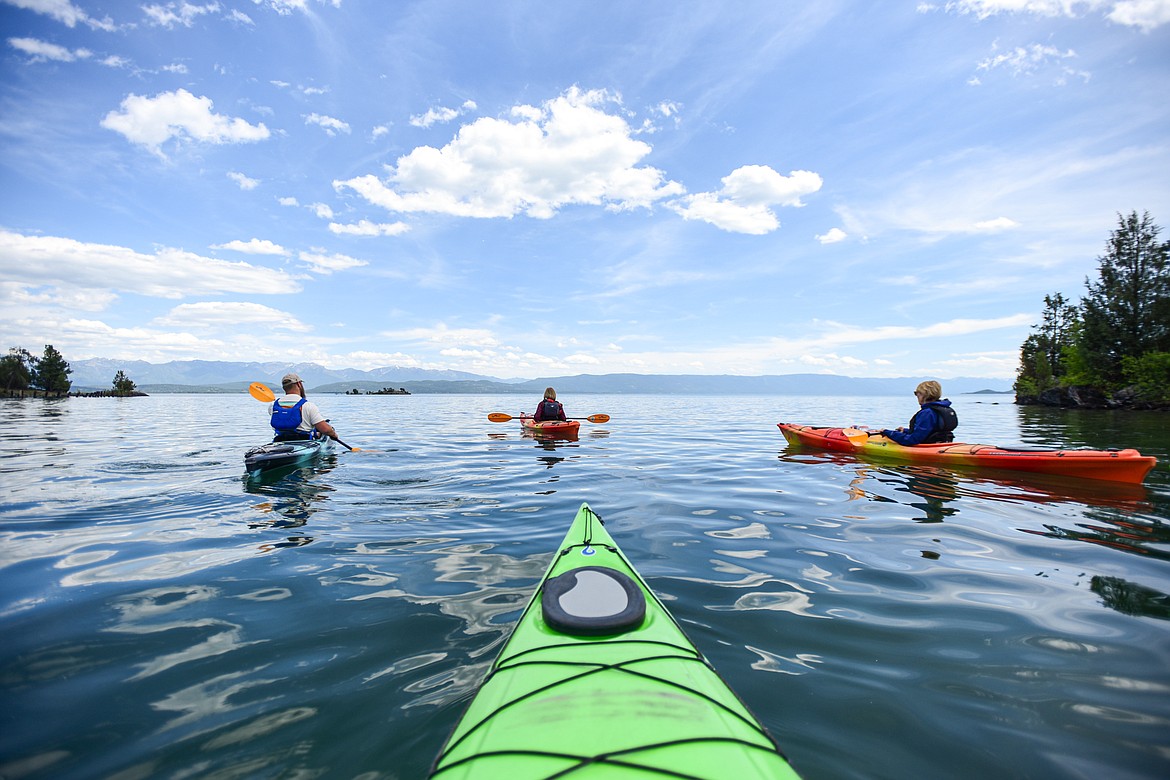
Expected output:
(598, 681)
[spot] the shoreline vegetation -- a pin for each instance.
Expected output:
(1112, 349)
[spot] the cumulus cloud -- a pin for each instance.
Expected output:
(255, 246)
(321, 263)
(834, 236)
(331, 125)
(40, 51)
(366, 228)
(151, 122)
(229, 316)
(245, 182)
(1146, 14)
(49, 261)
(63, 11)
(568, 151)
(744, 204)
(442, 115)
(183, 13)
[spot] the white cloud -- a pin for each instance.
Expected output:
(245, 182)
(287, 201)
(255, 246)
(442, 115)
(321, 263)
(40, 51)
(834, 236)
(63, 11)
(837, 335)
(38, 261)
(286, 7)
(183, 13)
(229, 316)
(332, 126)
(151, 122)
(442, 335)
(1145, 14)
(322, 210)
(366, 228)
(1030, 60)
(997, 224)
(569, 151)
(745, 202)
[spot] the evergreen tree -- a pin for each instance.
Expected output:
(16, 369)
(123, 385)
(1042, 354)
(1126, 312)
(52, 372)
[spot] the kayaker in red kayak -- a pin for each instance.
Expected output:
(550, 408)
(933, 423)
(294, 416)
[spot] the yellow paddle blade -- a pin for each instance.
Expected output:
(260, 392)
(499, 417)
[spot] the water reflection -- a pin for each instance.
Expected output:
(1129, 534)
(938, 486)
(1130, 598)
(293, 494)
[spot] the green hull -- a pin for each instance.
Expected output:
(604, 701)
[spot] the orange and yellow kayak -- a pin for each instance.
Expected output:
(558, 428)
(1116, 465)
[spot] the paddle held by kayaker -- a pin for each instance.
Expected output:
(293, 416)
(550, 408)
(933, 423)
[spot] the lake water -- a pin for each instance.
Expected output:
(161, 616)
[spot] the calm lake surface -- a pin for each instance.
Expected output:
(161, 616)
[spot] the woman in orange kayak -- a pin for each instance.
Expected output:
(933, 423)
(550, 408)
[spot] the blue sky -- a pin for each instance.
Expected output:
(524, 189)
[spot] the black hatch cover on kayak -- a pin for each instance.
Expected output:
(593, 601)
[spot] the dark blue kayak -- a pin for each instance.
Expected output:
(279, 454)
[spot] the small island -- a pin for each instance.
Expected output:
(383, 391)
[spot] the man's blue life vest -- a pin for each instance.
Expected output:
(286, 420)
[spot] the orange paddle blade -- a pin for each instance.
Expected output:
(499, 417)
(598, 418)
(260, 392)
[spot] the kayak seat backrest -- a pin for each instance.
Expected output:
(593, 601)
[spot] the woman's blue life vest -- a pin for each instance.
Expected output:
(946, 420)
(549, 409)
(286, 421)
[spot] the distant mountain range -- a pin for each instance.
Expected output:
(203, 376)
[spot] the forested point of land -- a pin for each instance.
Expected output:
(1112, 349)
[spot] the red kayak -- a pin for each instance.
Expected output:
(1115, 465)
(562, 429)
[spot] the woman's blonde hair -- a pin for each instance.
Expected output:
(929, 391)
(550, 394)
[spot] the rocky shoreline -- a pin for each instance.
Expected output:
(1085, 397)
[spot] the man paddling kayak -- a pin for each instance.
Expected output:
(293, 416)
(933, 423)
